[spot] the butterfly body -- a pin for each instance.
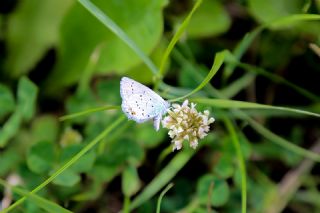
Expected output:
(140, 103)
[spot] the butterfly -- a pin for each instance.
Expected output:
(140, 103)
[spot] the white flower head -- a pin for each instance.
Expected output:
(185, 123)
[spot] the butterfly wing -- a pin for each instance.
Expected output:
(129, 87)
(140, 103)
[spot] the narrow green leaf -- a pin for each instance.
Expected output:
(224, 103)
(293, 19)
(163, 177)
(279, 140)
(273, 77)
(176, 37)
(111, 25)
(45, 204)
(27, 94)
(235, 87)
(245, 43)
(240, 49)
(92, 110)
(40, 157)
(84, 82)
(218, 60)
(73, 160)
(241, 162)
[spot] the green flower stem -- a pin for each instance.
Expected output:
(237, 147)
(161, 196)
(73, 160)
(126, 206)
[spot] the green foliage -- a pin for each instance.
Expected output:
(141, 21)
(6, 101)
(63, 133)
(209, 10)
(41, 157)
(24, 110)
(32, 29)
(272, 10)
(212, 190)
(130, 181)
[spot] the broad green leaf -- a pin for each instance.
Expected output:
(71, 162)
(32, 30)
(224, 167)
(27, 94)
(45, 128)
(145, 135)
(108, 91)
(10, 128)
(209, 20)
(92, 191)
(130, 181)
(68, 178)
(219, 194)
(84, 164)
(70, 137)
(7, 102)
(78, 103)
(125, 150)
(141, 20)
(103, 170)
(40, 157)
(8, 161)
(267, 11)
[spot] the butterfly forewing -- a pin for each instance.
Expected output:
(129, 87)
(140, 103)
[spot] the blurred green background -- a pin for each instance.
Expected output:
(56, 58)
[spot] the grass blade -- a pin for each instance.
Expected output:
(45, 204)
(224, 103)
(176, 37)
(163, 177)
(274, 78)
(241, 162)
(111, 25)
(245, 43)
(78, 114)
(279, 140)
(218, 60)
